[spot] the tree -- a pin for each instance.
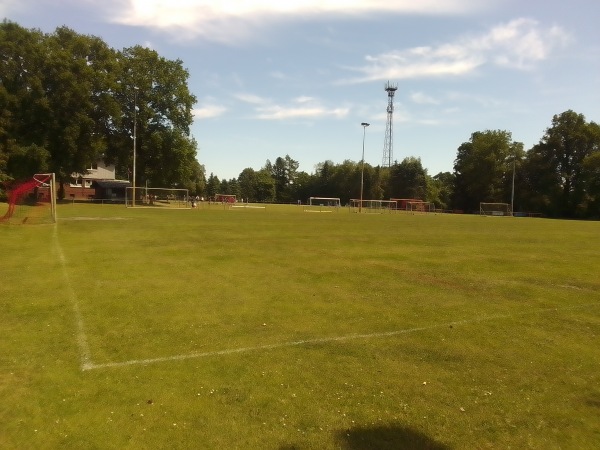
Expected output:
(78, 80)
(591, 179)
(555, 165)
(196, 184)
(213, 185)
(247, 181)
(158, 88)
(408, 179)
(324, 186)
(283, 172)
(23, 105)
(483, 169)
(265, 187)
(302, 187)
(25, 161)
(440, 190)
(346, 181)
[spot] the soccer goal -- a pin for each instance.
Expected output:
(30, 201)
(225, 198)
(323, 204)
(420, 207)
(495, 209)
(158, 198)
(373, 206)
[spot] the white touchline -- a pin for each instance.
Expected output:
(90, 366)
(84, 348)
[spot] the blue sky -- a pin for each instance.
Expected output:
(298, 77)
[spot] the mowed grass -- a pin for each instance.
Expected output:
(281, 329)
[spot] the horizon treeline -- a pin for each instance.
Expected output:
(558, 177)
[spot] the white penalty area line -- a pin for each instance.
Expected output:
(89, 366)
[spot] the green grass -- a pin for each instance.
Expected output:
(279, 329)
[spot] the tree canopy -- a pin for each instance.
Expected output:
(68, 101)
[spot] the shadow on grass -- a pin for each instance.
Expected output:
(387, 437)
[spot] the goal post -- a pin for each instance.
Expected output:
(166, 198)
(420, 207)
(373, 206)
(30, 201)
(323, 204)
(225, 198)
(495, 209)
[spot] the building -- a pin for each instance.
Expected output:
(98, 183)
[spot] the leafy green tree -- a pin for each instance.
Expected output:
(591, 177)
(346, 180)
(213, 185)
(324, 186)
(380, 185)
(555, 170)
(76, 98)
(23, 105)
(197, 181)
(25, 161)
(483, 169)
(234, 188)
(247, 181)
(265, 187)
(302, 187)
(440, 190)
(77, 88)
(158, 88)
(408, 179)
(283, 172)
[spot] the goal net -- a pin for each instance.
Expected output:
(32, 201)
(373, 206)
(323, 204)
(225, 198)
(420, 207)
(158, 198)
(495, 209)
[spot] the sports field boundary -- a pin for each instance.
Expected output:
(88, 365)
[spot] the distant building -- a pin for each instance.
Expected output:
(99, 182)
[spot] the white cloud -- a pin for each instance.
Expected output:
(303, 107)
(276, 112)
(208, 111)
(518, 44)
(233, 21)
(251, 98)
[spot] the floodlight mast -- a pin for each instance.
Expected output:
(512, 193)
(388, 145)
(135, 91)
(362, 166)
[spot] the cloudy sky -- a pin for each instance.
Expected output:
(297, 77)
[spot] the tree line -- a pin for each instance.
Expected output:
(558, 177)
(69, 100)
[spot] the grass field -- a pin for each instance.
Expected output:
(278, 329)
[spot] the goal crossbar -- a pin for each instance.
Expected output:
(495, 209)
(168, 198)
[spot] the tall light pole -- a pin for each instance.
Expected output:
(135, 91)
(512, 194)
(362, 166)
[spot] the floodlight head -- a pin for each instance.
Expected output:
(365, 124)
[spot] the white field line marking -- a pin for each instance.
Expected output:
(350, 337)
(84, 348)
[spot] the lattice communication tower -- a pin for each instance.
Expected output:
(388, 145)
